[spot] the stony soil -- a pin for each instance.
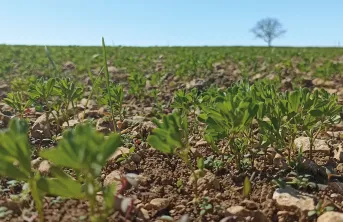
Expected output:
(158, 195)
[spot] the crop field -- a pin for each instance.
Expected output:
(183, 134)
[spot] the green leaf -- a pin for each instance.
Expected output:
(64, 187)
(316, 113)
(200, 163)
(311, 213)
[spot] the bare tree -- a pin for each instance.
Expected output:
(268, 29)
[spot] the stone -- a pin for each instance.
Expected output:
(318, 82)
(241, 212)
(201, 143)
(279, 161)
(330, 216)
(36, 162)
(44, 167)
(118, 153)
(89, 114)
(68, 66)
(339, 167)
(147, 128)
(41, 128)
(113, 178)
(112, 69)
(158, 204)
(195, 83)
(271, 152)
(330, 83)
(338, 153)
(5, 119)
(289, 199)
(249, 204)
(4, 87)
(319, 146)
(145, 213)
(136, 158)
(207, 180)
(70, 124)
(91, 103)
(336, 134)
(331, 91)
(104, 126)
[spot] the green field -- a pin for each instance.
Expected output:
(165, 133)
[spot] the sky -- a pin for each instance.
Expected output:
(168, 22)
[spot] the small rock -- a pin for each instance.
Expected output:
(334, 195)
(338, 153)
(4, 87)
(90, 103)
(280, 161)
(330, 216)
(340, 167)
(238, 211)
(330, 83)
(145, 213)
(68, 66)
(249, 204)
(158, 204)
(206, 181)
(195, 152)
(201, 143)
(122, 203)
(113, 178)
(179, 207)
(147, 128)
(46, 141)
(118, 153)
(89, 114)
(70, 124)
(40, 128)
(104, 126)
(136, 158)
(271, 152)
(318, 82)
(289, 198)
(331, 91)
(58, 138)
(4, 118)
(319, 146)
(36, 162)
(195, 83)
(112, 69)
(44, 167)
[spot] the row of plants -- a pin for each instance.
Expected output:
(184, 62)
(247, 119)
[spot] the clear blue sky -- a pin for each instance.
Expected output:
(167, 22)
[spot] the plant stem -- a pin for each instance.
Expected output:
(108, 83)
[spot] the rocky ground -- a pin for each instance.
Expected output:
(165, 191)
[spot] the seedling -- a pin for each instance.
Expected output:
(205, 206)
(86, 152)
(15, 159)
(18, 102)
(171, 137)
(126, 156)
(107, 78)
(42, 91)
(113, 96)
(137, 83)
(320, 209)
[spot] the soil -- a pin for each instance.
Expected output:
(162, 172)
